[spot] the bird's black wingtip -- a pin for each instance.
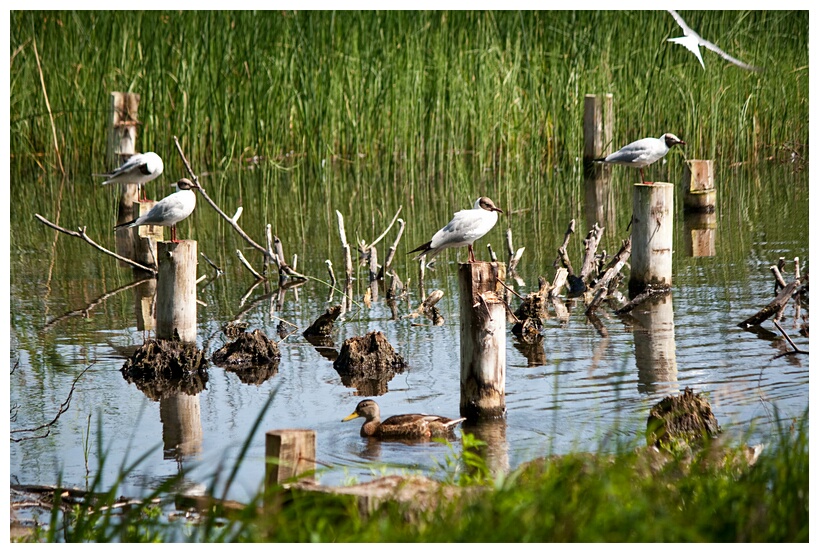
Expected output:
(423, 248)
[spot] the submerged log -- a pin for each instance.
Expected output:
(684, 420)
(165, 368)
(773, 307)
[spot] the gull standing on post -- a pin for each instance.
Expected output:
(465, 227)
(642, 152)
(169, 210)
(139, 169)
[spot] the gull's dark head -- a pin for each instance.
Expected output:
(671, 139)
(487, 204)
(185, 184)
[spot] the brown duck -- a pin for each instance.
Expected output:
(415, 426)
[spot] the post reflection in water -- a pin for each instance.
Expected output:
(181, 426)
(700, 231)
(654, 346)
(496, 451)
(144, 295)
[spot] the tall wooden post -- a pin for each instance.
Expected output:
(598, 123)
(290, 454)
(483, 340)
(176, 291)
(652, 232)
(699, 192)
(122, 136)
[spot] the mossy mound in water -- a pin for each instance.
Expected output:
(164, 368)
(252, 356)
(368, 362)
(681, 421)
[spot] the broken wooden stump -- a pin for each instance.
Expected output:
(681, 421)
(252, 356)
(368, 363)
(323, 326)
(483, 340)
(164, 368)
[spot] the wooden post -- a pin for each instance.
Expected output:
(289, 454)
(652, 234)
(143, 304)
(699, 193)
(598, 122)
(176, 291)
(483, 340)
(700, 231)
(122, 135)
(655, 349)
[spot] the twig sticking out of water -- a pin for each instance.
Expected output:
(788, 338)
(562, 256)
(385, 269)
(601, 288)
(82, 235)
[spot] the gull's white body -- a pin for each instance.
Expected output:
(139, 169)
(643, 152)
(693, 41)
(170, 210)
(465, 227)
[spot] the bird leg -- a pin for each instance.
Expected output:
(173, 234)
(471, 254)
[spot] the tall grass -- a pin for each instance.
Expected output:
(713, 496)
(503, 90)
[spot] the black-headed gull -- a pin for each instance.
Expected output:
(139, 169)
(169, 210)
(693, 41)
(642, 152)
(465, 227)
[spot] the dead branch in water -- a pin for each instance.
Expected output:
(391, 253)
(788, 338)
(773, 307)
(562, 256)
(640, 298)
(82, 235)
(590, 243)
(601, 288)
(231, 221)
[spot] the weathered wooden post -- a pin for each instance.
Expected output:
(289, 454)
(652, 233)
(700, 230)
(176, 291)
(655, 349)
(122, 135)
(144, 303)
(483, 340)
(598, 123)
(699, 193)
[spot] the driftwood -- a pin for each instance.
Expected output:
(590, 244)
(82, 235)
(562, 256)
(428, 309)
(601, 288)
(385, 269)
(649, 292)
(774, 306)
(531, 312)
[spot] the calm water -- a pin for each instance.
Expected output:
(575, 391)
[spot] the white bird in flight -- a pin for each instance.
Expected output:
(693, 41)
(139, 169)
(169, 210)
(642, 152)
(465, 227)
